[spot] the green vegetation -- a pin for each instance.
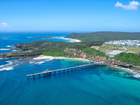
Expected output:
(105, 36)
(58, 53)
(58, 49)
(132, 50)
(129, 58)
(94, 52)
(54, 48)
(109, 47)
(48, 45)
(135, 68)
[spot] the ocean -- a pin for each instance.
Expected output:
(92, 86)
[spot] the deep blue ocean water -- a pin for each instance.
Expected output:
(94, 86)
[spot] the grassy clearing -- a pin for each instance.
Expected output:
(108, 48)
(132, 50)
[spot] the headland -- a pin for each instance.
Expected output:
(95, 51)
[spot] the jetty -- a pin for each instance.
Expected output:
(50, 72)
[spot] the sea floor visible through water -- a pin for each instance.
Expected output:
(92, 86)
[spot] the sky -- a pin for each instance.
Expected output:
(69, 15)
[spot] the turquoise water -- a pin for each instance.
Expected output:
(94, 86)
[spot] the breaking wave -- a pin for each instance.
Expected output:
(6, 68)
(38, 62)
(5, 49)
(14, 50)
(136, 75)
(9, 46)
(9, 66)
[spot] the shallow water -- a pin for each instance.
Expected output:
(94, 86)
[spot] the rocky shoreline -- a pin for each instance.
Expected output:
(111, 62)
(76, 52)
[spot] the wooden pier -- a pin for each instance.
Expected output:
(47, 72)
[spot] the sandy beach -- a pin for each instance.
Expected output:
(41, 57)
(75, 40)
(51, 57)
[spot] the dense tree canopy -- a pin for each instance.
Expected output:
(55, 48)
(105, 36)
(128, 58)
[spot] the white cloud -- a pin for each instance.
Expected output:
(4, 24)
(131, 6)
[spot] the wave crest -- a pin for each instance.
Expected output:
(136, 75)
(9, 66)
(5, 49)
(6, 68)
(9, 46)
(40, 61)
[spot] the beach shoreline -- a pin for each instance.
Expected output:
(41, 57)
(75, 40)
(134, 73)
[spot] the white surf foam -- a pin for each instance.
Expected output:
(136, 75)
(4, 49)
(9, 62)
(6, 68)
(49, 59)
(9, 66)
(1, 66)
(39, 62)
(14, 50)
(9, 46)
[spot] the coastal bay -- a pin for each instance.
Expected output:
(96, 85)
(80, 50)
(69, 52)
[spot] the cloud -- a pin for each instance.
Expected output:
(4, 24)
(131, 6)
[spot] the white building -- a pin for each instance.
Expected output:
(134, 43)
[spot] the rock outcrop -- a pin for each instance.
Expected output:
(85, 55)
(118, 63)
(97, 58)
(77, 53)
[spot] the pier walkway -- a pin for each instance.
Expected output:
(65, 69)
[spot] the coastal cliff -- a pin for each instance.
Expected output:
(84, 55)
